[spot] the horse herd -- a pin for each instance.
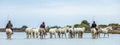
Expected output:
(61, 32)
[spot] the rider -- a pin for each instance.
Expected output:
(43, 25)
(94, 25)
(9, 25)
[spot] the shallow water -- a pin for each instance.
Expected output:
(19, 38)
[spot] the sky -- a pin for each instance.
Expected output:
(58, 12)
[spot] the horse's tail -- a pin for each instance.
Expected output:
(8, 30)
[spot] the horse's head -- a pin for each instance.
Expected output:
(109, 27)
(66, 29)
(56, 29)
(83, 28)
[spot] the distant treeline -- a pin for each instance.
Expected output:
(86, 24)
(14, 29)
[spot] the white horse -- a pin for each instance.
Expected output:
(63, 31)
(94, 33)
(53, 31)
(35, 32)
(28, 32)
(71, 32)
(42, 32)
(8, 33)
(32, 32)
(106, 30)
(79, 31)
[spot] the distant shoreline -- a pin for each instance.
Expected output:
(14, 29)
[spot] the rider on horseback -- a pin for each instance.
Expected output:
(94, 25)
(9, 25)
(43, 25)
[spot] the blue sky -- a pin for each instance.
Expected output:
(58, 12)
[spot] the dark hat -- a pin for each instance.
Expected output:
(93, 21)
(9, 21)
(43, 22)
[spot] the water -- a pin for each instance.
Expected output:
(19, 38)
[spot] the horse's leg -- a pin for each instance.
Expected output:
(93, 35)
(108, 34)
(33, 35)
(68, 35)
(39, 35)
(30, 35)
(62, 35)
(7, 35)
(36, 35)
(55, 35)
(42, 35)
(104, 34)
(81, 34)
(10, 35)
(27, 36)
(98, 35)
(78, 34)
(58, 34)
(65, 35)
(71, 35)
(50, 35)
(45, 35)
